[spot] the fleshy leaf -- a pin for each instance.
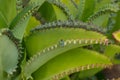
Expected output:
(71, 7)
(8, 54)
(19, 24)
(48, 53)
(47, 12)
(31, 24)
(86, 8)
(117, 22)
(88, 73)
(116, 35)
(3, 22)
(42, 39)
(1, 69)
(59, 13)
(71, 61)
(8, 9)
(101, 17)
(113, 52)
(101, 3)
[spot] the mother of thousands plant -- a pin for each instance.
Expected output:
(59, 40)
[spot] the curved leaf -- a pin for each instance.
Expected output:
(64, 8)
(101, 3)
(72, 8)
(101, 17)
(47, 12)
(8, 54)
(3, 22)
(68, 24)
(67, 39)
(71, 61)
(116, 35)
(8, 9)
(42, 39)
(88, 73)
(48, 53)
(19, 24)
(1, 69)
(112, 51)
(59, 13)
(117, 24)
(31, 24)
(66, 78)
(86, 8)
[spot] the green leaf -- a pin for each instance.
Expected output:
(8, 54)
(101, 3)
(65, 78)
(20, 28)
(116, 35)
(64, 9)
(117, 22)
(8, 9)
(73, 10)
(86, 8)
(1, 69)
(19, 24)
(42, 39)
(71, 61)
(3, 22)
(77, 1)
(88, 73)
(67, 39)
(48, 53)
(31, 24)
(20, 17)
(47, 12)
(101, 17)
(111, 51)
(59, 13)
(101, 20)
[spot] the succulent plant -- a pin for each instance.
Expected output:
(59, 40)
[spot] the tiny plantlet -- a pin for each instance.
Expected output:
(59, 40)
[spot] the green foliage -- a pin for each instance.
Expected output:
(47, 11)
(8, 9)
(75, 61)
(58, 39)
(3, 22)
(87, 7)
(8, 55)
(116, 35)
